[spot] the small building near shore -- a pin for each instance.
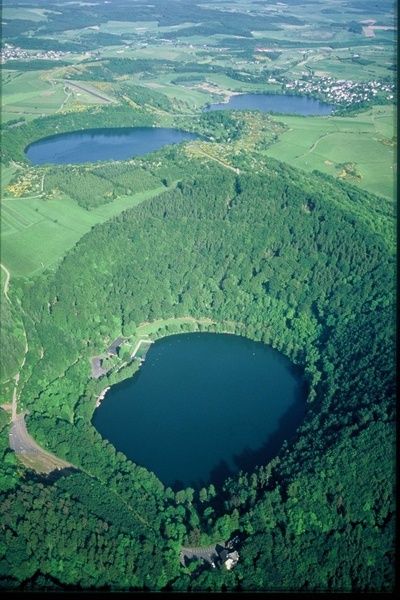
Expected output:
(113, 348)
(97, 368)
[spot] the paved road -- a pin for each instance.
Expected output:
(24, 446)
(7, 282)
(208, 553)
(89, 90)
(30, 453)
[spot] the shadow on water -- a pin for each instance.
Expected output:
(250, 458)
(179, 485)
(288, 423)
(220, 473)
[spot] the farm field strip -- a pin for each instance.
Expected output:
(60, 222)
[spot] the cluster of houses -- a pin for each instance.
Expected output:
(341, 91)
(10, 52)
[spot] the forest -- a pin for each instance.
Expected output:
(281, 258)
(279, 228)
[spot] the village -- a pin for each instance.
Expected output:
(341, 92)
(10, 52)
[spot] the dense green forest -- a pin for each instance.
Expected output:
(279, 256)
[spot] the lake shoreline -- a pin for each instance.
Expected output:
(202, 406)
(103, 144)
(275, 103)
(101, 396)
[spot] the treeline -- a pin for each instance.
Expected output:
(12, 340)
(165, 12)
(145, 96)
(33, 65)
(216, 126)
(15, 140)
(94, 187)
(111, 69)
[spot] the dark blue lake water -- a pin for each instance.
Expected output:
(203, 406)
(103, 144)
(277, 103)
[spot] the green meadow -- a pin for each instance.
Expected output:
(36, 233)
(34, 94)
(326, 143)
(29, 94)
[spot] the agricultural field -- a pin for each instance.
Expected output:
(28, 95)
(366, 141)
(39, 93)
(27, 222)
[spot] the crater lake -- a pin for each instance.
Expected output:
(92, 145)
(202, 407)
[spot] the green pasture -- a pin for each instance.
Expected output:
(234, 85)
(347, 69)
(36, 233)
(324, 143)
(121, 27)
(162, 84)
(36, 93)
(30, 95)
(28, 14)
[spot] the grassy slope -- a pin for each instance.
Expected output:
(30, 94)
(36, 233)
(316, 143)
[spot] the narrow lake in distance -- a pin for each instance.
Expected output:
(275, 103)
(92, 145)
(203, 406)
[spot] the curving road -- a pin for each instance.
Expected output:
(29, 452)
(7, 281)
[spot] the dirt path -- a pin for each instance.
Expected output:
(218, 160)
(7, 282)
(206, 320)
(67, 97)
(315, 144)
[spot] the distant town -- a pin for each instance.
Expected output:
(341, 91)
(10, 52)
